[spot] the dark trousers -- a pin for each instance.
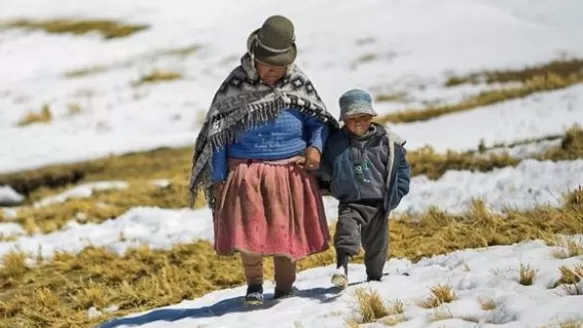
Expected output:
(363, 223)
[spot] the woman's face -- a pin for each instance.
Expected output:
(358, 124)
(270, 74)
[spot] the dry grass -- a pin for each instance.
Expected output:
(434, 165)
(394, 97)
(537, 83)
(44, 116)
(58, 293)
(569, 323)
(440, 314)
(487, 304)
(104, 205)
(439, 294)
(526, 275)
(107, 28)
(156, 76)
(570, 276)
(179, 53)
(14, 264)
(396, 314)
(175, 164)
(369, 306)
(567, 248)
(160, 163)
(563, 67)
(572, 290)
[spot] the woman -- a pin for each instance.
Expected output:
(254, 156)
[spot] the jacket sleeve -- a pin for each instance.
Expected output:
(325, 172)
(402, 180)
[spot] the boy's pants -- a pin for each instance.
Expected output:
(363, 223)
(284, 270)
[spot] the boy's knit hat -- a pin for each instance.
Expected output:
(354, 102)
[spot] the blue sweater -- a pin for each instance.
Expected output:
(288, 135)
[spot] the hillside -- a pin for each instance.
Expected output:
(100, 102)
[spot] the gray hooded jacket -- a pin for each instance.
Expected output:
(383, 173)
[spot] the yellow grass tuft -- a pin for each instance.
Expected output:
(14, 264)
(396, 314)
(107, 28)
(157, 75)
(44, 116)
(569, 323)
(487, 304)
(369, 306)
(567, 247)
(570, 276)
(526, 275)
(439, 294)
(74, 109)
(393, 320)
(440, 314)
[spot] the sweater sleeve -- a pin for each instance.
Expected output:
(317, 132)
(219, 165)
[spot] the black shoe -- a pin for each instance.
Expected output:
(254, 294)
(369, 278)
(279, 294)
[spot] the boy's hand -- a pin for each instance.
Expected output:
(313, 156)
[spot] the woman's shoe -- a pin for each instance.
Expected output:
(254, 294)
(279, 294)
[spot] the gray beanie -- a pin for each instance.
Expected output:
(354, 102)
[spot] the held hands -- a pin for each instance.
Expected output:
(312, 159)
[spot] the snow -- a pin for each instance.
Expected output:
(8, 229)
(474, 275)
(81, 191)
(527, 150)
(541, 114)
(9, 197)
(523, 187)
(158, 228)
(415, 43)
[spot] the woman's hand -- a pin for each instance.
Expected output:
(313, 156)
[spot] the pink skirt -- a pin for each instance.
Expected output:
(270, 208)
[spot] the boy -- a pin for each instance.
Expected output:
(365, 166)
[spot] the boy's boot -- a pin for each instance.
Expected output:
(254, 294)
(340, 276)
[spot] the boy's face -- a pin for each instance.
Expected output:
(358, 124)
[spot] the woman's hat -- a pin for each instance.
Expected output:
(274, 42)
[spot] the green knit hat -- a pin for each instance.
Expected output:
(274, 42)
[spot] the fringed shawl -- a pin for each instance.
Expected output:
(243, 102)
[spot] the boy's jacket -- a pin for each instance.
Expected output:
(390, 172)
